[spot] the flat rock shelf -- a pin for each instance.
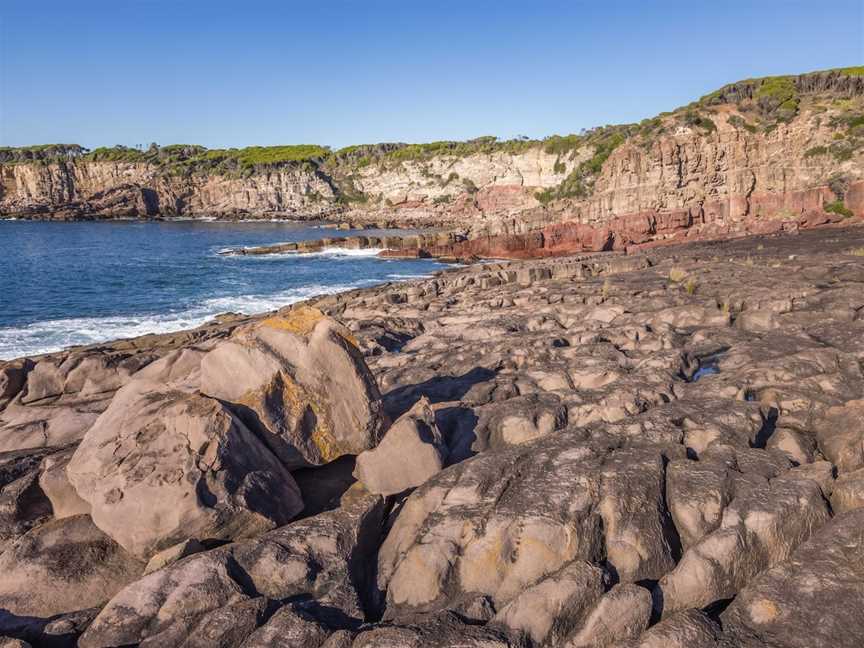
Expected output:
(662, 448)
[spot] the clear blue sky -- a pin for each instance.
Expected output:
(251, 72)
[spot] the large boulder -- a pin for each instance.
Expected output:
(840, 434)
(685, 629)
(493, 526)
(54, 482)
(411, 452)
(641, 541)
(328, 558)
(815, 598)
(300, 382)
(162, 465)
(848, 491)
(63, 566)
(549, 611)
(622, 614)
(758, 530)
(23, 505)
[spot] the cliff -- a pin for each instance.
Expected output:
(772, 148)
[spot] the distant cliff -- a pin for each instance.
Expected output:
(772, 148)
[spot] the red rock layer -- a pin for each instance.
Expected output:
(739, 216)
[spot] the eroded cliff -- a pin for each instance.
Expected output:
(772, 148)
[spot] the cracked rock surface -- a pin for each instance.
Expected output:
(660, 449)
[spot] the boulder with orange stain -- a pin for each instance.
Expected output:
(300, 382)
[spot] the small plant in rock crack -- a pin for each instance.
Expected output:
(691, 286)
(677, 275)
(859, 252)
(607, 286)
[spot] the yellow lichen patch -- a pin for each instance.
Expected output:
(300, 321)
(298, 400)
(326, 444)
(763, 611)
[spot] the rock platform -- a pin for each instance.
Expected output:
(661, 448)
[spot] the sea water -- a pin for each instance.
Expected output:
(69, 283)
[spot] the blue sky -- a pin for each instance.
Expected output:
(336, 73)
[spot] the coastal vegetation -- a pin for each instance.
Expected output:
(760, 106)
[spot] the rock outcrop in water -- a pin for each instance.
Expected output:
(754, 157)
(645, 450)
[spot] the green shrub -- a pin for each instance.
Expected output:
(837, 207)
(816, 150)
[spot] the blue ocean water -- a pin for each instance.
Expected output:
(76, 283)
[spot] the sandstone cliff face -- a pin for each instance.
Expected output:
(725, 163)
(93, 189)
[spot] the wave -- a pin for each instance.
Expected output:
(54, 335)
(326, 253)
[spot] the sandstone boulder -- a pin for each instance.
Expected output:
(840, 434)
(685, 629)
(63, 566)
(621, 614)
(300, 382)
(163, 465)
(54, 482)
(814, 598)
(411, 452)
(549, 611)
(758, 530)
(493, 526)
(848, 492)
(697, 492)
(328, 558)
(23, 506)
(227, 627)
(444, 630)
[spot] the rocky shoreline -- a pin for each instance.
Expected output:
(657, 447)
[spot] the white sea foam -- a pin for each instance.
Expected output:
(325, 253)
(54, 335)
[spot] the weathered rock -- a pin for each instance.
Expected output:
(411, 452)
(13, 375)
(299, 381)
(758, 530)
(697, 492)
(493, 525)
(841, 436)
(63, 566)
(327, 558)
(550, 610)
(292, 625)
(814, 598)
(685, 629)
(641, 541)
(621, 614)
(23, 506)
(54, 482)
(444, 630)
(173, 554)
(848, 492)
(163, 465)
(227, 627)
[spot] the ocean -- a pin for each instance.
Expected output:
(69, 283)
